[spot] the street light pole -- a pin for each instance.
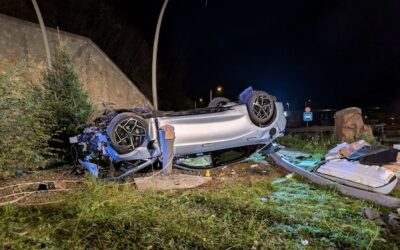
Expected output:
(154, 63)
(43, 28)
(219, 91)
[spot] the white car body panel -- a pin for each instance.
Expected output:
(227, 129)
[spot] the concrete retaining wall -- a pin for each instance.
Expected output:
(22, 41)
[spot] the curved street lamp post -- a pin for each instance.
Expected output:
(44, 33)
(154, 63)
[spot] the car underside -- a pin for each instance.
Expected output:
(123, 141)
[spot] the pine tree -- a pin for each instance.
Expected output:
(67, 100)
(25, 125)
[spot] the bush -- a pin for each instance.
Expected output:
(66, 99)
(25, 126)
(38, 118)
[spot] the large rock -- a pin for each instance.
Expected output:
(349, 125)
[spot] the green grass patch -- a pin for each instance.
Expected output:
(315, 144)
(111, 216)
(310, 144)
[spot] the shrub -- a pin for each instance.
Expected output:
(66, 99)
(25, 127)
(38, 118)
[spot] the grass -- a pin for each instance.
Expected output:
(111, 216)
(310, 144)
(315, 144)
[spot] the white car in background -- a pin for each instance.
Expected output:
(124, 141)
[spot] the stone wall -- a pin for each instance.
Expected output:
(21, 41)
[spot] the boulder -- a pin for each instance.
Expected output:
(350, 126)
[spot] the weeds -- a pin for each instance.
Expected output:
(312, 144)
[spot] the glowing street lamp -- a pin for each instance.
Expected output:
(219, 91)
(200, 101)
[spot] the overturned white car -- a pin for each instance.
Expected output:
(124, 141)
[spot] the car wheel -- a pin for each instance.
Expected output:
(261, 107)
(127, 132)
(218, 102)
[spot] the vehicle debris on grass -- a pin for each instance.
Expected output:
(356, 169)
(357, 165)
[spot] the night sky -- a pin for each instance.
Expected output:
(336, 53)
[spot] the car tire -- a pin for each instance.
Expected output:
(218, 102)
(261, 108)
(126, 132)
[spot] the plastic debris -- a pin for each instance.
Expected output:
(289, 176)
(263, 199)
(345, 149)
(391, 221)
(308, 165)
(279, 180)
(304, 242)
(283, 179)
(19, 173)
(373, 215)
(43, 187)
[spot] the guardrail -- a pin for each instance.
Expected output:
(313, 129)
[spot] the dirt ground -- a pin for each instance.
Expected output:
(43, 187)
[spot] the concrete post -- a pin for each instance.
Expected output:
(167, 139)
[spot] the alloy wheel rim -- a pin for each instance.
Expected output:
(262, 107)
(130, 133)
